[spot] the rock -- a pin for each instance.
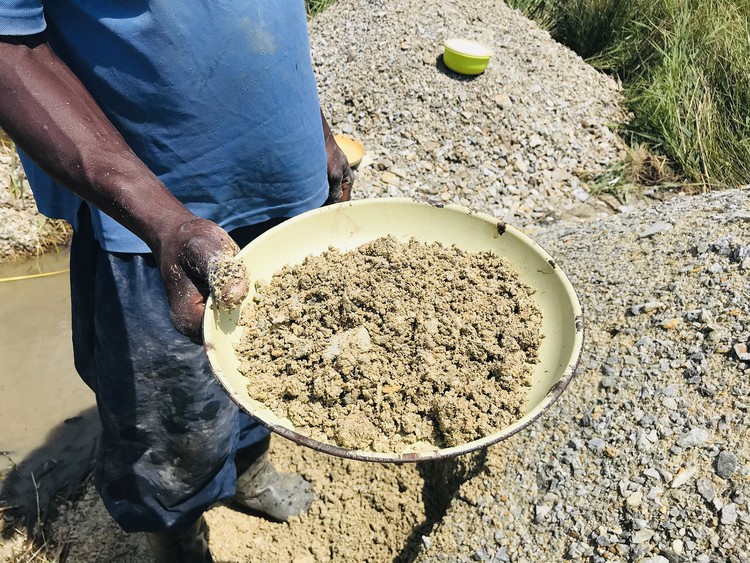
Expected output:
(705, 489)
(607, 382)
(654, 559)
(541, 511)
(669, 403)
(740, 349)
(634, 500)
(383, 164)
(646, 307)
(683, 476)
(596, 444)
(581, 195)
(503, 101)
(726, 464)
(655, 229)
(520, 165)
(694, 437)
(480, 554)
(678, 547)
(642, 536)
(729, 514)
(401, 173)
(389, 178)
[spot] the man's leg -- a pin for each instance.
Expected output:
(169, 431)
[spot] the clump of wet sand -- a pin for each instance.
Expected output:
(393, 346)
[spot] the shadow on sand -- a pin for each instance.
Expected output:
(58, 466)
(442, 480)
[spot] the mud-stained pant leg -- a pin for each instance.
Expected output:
(169, 431)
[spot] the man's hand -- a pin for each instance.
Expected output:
(192, 258)
(340, 175)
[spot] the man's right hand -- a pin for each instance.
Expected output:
(188, 255)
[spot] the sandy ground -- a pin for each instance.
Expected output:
(362, 512)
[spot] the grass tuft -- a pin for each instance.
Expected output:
(684, 67)
(314, 7)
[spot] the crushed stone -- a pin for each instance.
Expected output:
(520, 141)
(637, 494)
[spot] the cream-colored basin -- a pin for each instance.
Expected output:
(348, 225)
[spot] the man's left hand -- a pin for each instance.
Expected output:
(340, 175)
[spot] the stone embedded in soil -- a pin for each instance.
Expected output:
(393, 345)
(726, 464)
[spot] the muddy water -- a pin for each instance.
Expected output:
(47, 422)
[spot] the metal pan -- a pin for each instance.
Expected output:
(348, 225)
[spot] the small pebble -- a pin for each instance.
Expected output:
(655, 229)
(740, 349)
(642, 536)
(541, 511)
(729, 514)
(705, 489)
(683, 476)
(695, 437)
(726, 464)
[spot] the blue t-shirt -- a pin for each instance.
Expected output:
(218, 98)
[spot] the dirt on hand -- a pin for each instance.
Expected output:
(393, 346)
(227, 280)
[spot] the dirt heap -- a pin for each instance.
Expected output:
(393, 344)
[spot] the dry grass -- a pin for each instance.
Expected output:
(28, 545)
(646, 168)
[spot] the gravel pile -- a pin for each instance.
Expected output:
(646, 457)
(515, 141)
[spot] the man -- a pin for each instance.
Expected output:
(156, 127)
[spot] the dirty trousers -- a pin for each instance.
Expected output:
(169, 433)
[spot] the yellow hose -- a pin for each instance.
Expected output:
(32, 276)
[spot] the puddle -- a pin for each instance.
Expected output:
(47, 420)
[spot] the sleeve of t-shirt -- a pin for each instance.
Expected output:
(21, 17)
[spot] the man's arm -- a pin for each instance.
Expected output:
(48, 112)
